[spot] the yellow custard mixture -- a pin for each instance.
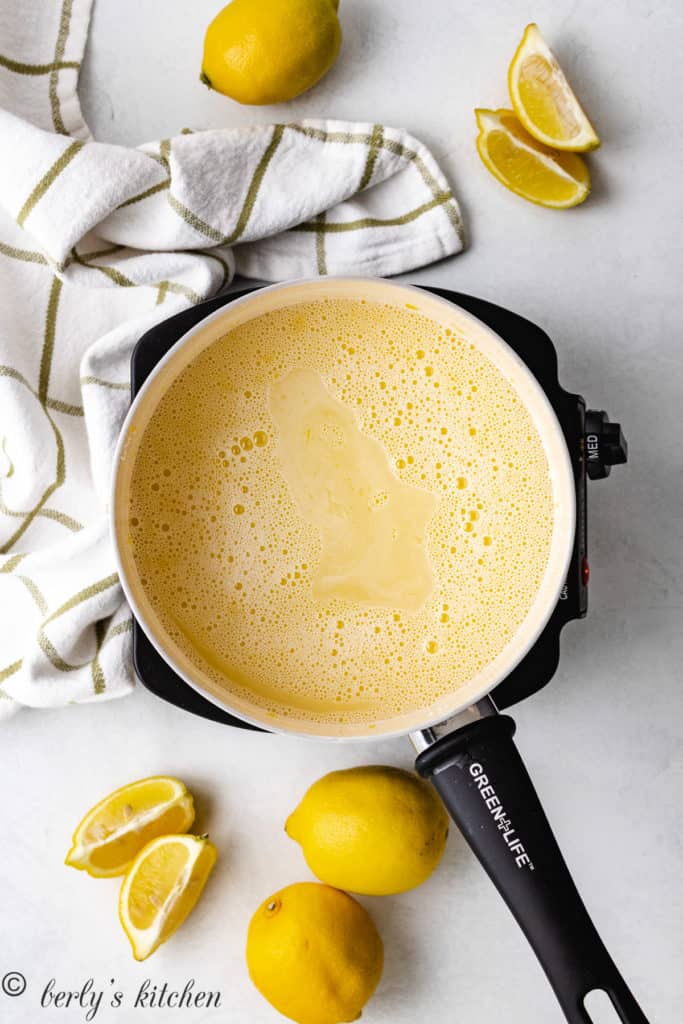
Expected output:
(341, 511)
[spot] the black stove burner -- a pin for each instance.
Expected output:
(594, 444)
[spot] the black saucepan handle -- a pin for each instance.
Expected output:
(482, 780)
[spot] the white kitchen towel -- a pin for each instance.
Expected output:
(98, 243)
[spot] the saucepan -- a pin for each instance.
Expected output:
(464, 746)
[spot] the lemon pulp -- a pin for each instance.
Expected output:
(543, 99)
(161, 888)
(114, 831)
(526, 166)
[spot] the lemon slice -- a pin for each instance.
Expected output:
(527, 167)
(114, 831)
(543, 98)
(161, 888)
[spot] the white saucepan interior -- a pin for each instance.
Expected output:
(441, 311)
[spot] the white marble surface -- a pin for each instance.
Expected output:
(603, 741)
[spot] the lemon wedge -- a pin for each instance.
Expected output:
(543, 98)
(161, 888)
(114, 831)
(527, 167)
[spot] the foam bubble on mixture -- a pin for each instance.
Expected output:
(341, 511)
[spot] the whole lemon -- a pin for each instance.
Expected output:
(269, 51)
(372, 830)
(314, 953)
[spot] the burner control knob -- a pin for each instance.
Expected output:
(605, 445)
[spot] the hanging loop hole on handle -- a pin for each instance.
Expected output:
(601, 1008)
